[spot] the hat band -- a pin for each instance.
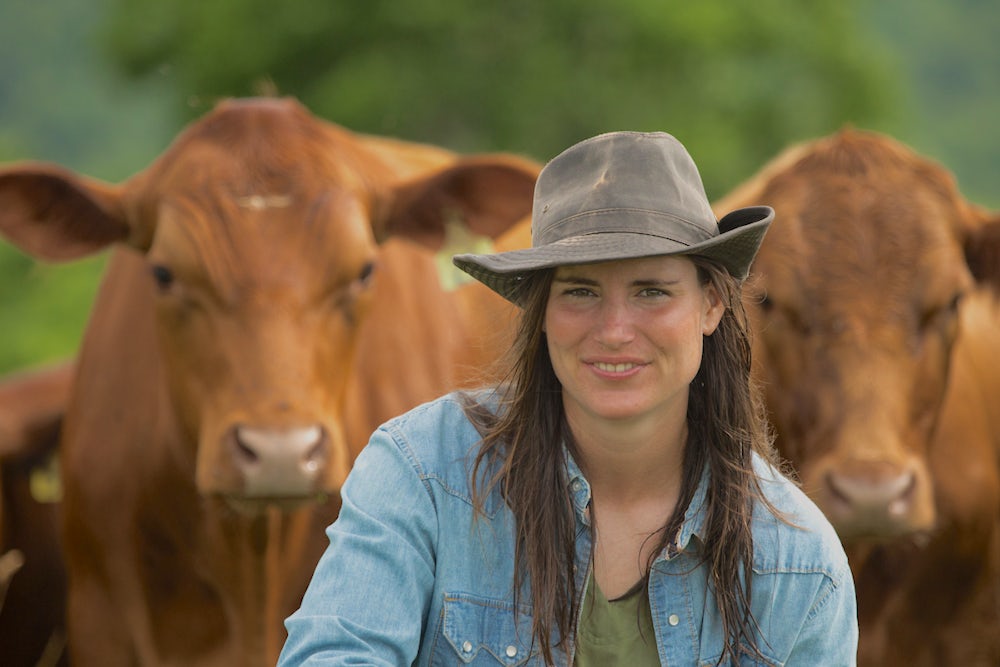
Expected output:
(623, 221)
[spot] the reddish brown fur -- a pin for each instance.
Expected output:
(266, 218)
(32, 596)
(876, 331)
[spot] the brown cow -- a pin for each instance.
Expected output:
(32, 574)
(876, 326)
(272, 299)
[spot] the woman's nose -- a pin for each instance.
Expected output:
(615, 327)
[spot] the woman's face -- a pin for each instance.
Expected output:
(625, 337)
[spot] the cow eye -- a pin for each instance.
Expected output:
(347, 294)
(163, 276)
(365, 276)
(943, 314)
(784, 316)
(955, 302)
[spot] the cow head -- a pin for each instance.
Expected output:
(855, 299)
(261, 231)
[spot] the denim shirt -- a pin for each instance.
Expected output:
(412, 576)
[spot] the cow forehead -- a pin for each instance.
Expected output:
(257, 171)
(841, 238)
(262, 156)
(257, 195)
(232, 247)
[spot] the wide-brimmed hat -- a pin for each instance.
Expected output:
(622, 195)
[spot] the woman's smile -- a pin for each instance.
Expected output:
(616, 369)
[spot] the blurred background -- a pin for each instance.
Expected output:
(102, 86)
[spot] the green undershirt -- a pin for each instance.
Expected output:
(619, 632)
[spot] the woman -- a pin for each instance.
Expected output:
(616, 500)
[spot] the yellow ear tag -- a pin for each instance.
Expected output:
(458, 239)
(44, 482)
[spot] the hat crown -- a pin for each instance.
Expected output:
(619, 196)
(624, 182)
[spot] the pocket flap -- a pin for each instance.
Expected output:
(473, 625)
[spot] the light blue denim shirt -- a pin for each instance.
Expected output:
(411, 576)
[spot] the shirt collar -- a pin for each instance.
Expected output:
(694, 517)
(579, 487)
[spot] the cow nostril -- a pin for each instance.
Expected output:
(313, 459)
(901, 505)
(834, 488)
(244, 453)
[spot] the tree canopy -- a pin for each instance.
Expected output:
(734, 81)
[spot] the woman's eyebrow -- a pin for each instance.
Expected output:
(576, 280)
(654, 282)
(639, 282)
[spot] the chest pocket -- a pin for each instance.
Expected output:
(480, 631)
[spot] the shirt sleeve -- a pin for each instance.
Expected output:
(369, 597)
(829, 635)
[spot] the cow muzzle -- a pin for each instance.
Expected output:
(874, 500)
(278, 463)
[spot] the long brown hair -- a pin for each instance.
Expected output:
(522, 445)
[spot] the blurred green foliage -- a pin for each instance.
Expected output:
(43, 309)
(947, 55)
(734, 81)
(101, 86)
(61, 101)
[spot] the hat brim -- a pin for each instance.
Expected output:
(741, 233)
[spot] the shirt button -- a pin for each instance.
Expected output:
(467, 647)
(511, 651)
(673, 619)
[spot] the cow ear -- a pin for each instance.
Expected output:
(982, 252)
(55, 215)
(486, 195)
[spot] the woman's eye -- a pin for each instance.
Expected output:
(652, 292)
